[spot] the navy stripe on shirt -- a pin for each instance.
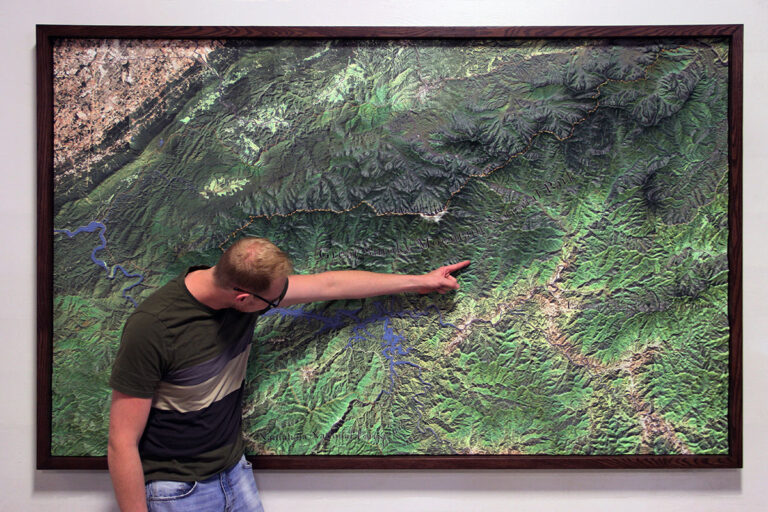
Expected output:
(204, 371)
(171, 434)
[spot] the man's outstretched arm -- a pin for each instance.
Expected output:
(359, 284)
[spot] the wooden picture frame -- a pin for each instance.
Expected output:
(731, 36)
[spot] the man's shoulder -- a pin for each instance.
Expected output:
(171, 293)
(162, 297)
(169, 305)
(150, 312)
(146, 329)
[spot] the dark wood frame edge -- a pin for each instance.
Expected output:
(735, 159)
(44, 246)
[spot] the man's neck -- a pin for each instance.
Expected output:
(202, 286)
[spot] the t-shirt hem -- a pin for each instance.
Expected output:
(150, 476)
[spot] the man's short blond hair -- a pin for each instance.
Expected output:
(251, 263)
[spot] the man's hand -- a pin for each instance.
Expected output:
(440, 280)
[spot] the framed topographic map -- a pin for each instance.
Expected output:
(591, 175)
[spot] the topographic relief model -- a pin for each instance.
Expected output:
(586, 180)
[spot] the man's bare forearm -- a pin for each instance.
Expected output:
(359, 284)
(127, 478)
(347, 284)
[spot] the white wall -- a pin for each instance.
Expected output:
(22, 488)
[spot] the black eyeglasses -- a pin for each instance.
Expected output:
(270, 303)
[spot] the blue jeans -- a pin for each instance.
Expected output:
(232, 490)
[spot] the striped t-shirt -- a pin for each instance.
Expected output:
(191, 360)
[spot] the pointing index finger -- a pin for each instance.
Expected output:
(449, 269)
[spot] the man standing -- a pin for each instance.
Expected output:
(175, 440)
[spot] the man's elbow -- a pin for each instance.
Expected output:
(119, 447)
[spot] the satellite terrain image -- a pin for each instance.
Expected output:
(587, 180)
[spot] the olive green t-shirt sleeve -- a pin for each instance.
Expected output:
(140, 360)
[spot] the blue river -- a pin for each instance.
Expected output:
(93, 227)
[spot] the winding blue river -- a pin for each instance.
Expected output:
(93, 227)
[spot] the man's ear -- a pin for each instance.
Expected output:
(241, 297)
